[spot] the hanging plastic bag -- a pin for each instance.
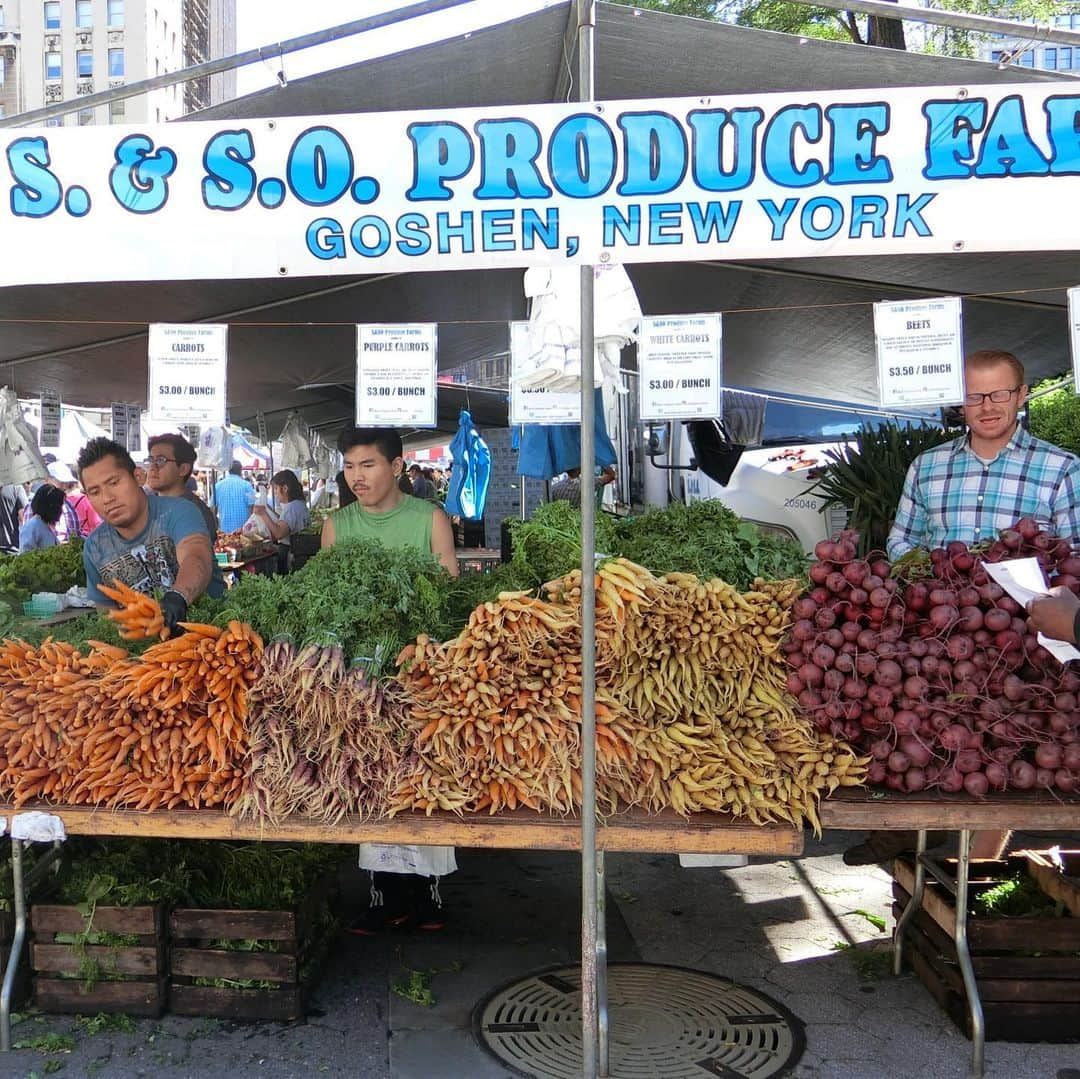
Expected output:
(296, 443)
(215, 448)
(471, 471)
(20, 458)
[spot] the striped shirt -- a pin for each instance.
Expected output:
(951, 494)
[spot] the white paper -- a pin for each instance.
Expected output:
(680, 368)
(1074, 333)
(536, 404)
(50, 419)
(395, 374)
(1022, 578)
(188, 369)
(134, 429)
(120, 424)
(920, 352)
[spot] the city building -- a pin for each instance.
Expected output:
(60, 50)
(1020, 52)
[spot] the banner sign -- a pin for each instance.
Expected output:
(920, 352)
(188, 363)
(1074, 333)
(850, 172)
(395, 374)
(680, 368)
(50, 420)
(536, 404)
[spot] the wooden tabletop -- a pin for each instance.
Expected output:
(703, 833)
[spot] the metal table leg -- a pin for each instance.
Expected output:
(601, 967)
(963, 955)
(913, 906)
(17, 942)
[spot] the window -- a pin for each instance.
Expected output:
(84, 14)
(53, 68)
(117, 111)
(2, 113)
(116, 12)
(1026, 60)
(84, 58)
(86, 116)
(1065, 58)
(1050, 57)
(3, 71)
(52, 15)
(116, 62)
(56, 121)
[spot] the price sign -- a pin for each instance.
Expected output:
(260, 426)
(536, 404)
(395, 374)
(920, 352)
(134, 429)
(120, 424)
(680, 367)
(188, 366)
(50, 419)
(1074, 333)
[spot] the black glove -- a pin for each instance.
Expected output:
(174, 608)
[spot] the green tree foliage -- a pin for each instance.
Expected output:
(1056, 415)
(790, 18)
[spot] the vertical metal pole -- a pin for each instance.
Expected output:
(590, 1010)
(17, 942)
(602, 1025)
(963, 955)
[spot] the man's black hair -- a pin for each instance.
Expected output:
(385, 439)
(236, 469)
(48, 503)
(183, 451)
(97, 449)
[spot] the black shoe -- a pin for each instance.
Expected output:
(428, 912)
(885, 846)
(390, 907)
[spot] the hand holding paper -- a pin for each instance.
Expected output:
(1023, 579)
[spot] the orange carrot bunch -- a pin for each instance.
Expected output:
(139, 616)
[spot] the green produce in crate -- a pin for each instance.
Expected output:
(709, 540)
(54, 569)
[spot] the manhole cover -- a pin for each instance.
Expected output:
(665, 1022)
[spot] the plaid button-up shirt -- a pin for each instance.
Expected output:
(950, 494)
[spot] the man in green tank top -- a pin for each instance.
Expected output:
(373, 466)
(404, 880)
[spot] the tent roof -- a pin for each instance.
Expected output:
(292, 341)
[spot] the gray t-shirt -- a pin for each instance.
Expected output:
(295, 514)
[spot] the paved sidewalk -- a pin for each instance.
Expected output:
(801, 931)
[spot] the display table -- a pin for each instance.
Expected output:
(477, 559)
(850, 808)
(264, 562)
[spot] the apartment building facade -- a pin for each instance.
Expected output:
(1019, 52)
(61, 50)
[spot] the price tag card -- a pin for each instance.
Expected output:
(920, 352)
(536, 404)
(134, 429)
(50, 419)
(1074, 333)
(395, 374)
(120, 424)
(188, 365)
(680, 367)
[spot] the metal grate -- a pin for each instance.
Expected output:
(665, 1023)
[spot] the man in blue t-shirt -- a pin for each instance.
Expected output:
(151, 544)
(233, 497)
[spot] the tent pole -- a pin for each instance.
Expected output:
(593, 1009)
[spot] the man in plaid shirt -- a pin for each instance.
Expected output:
(969, 489)
(982, 482)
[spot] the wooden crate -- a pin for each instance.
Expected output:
(129, 978)
(21, 992)
(1062, 885)
(1026, 997)
(292, 966)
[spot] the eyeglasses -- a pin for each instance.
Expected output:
(999, 397)
(159, 462)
